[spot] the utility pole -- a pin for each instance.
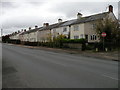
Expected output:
(1, 34)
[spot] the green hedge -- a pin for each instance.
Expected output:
(74, 41)
(15, 41)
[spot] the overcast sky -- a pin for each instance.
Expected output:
(21, 14)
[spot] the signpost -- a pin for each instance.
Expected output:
(103, 35)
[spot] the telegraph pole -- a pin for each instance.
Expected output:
(1, 34)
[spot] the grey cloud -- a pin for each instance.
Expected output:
(36, 3)
(71, 8)
(7, 5)
(26, 21)
(21, 22)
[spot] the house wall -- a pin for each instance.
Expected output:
(56, 32)
(60, 31)
(33, 37)
(79, 32)
(21, 37)
(112, 16)
(26, 37)
(90, 31)
(66, 33)
(44, 35)
(15, 37)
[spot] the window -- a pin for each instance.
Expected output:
(81, 36)
(76, 28)
(93, 26)
(86, 37)
(93, 37)
(76, 37)
(54, 30)
(64, 29)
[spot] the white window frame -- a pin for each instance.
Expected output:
(81, 36)
(65, 29)
(93, 26)
(93, 37)
(76, 27)
(76, 37)
(54, 30)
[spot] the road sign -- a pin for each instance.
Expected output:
(103, 34)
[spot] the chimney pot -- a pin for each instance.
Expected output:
(24, 30)
(21, 30)
(36, 27)
(18, 31)
(59, 20)
(79, 15)
(45, 24)
(29, 28)
(110, 8)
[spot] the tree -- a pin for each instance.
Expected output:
(5, 38)
(58, 40)
(110, 27)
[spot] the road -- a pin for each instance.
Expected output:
(33, 68)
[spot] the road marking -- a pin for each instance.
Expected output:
(110, 77)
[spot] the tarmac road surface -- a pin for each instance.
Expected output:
(32, 68)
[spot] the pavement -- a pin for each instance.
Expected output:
(110, 55)
(36, 68)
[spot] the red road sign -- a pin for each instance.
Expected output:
(103, 34)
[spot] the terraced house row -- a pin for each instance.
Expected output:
(81, 27)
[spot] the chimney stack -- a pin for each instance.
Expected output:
(24, 30)
(79, 15)
(29, 28)
(36, 27)
(59, 20)
(21, 30)
(110, 8)
(45, 24)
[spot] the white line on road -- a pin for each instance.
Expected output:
(110, 77)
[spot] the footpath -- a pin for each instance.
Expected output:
(110, 55)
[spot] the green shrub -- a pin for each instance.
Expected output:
(74, 41)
